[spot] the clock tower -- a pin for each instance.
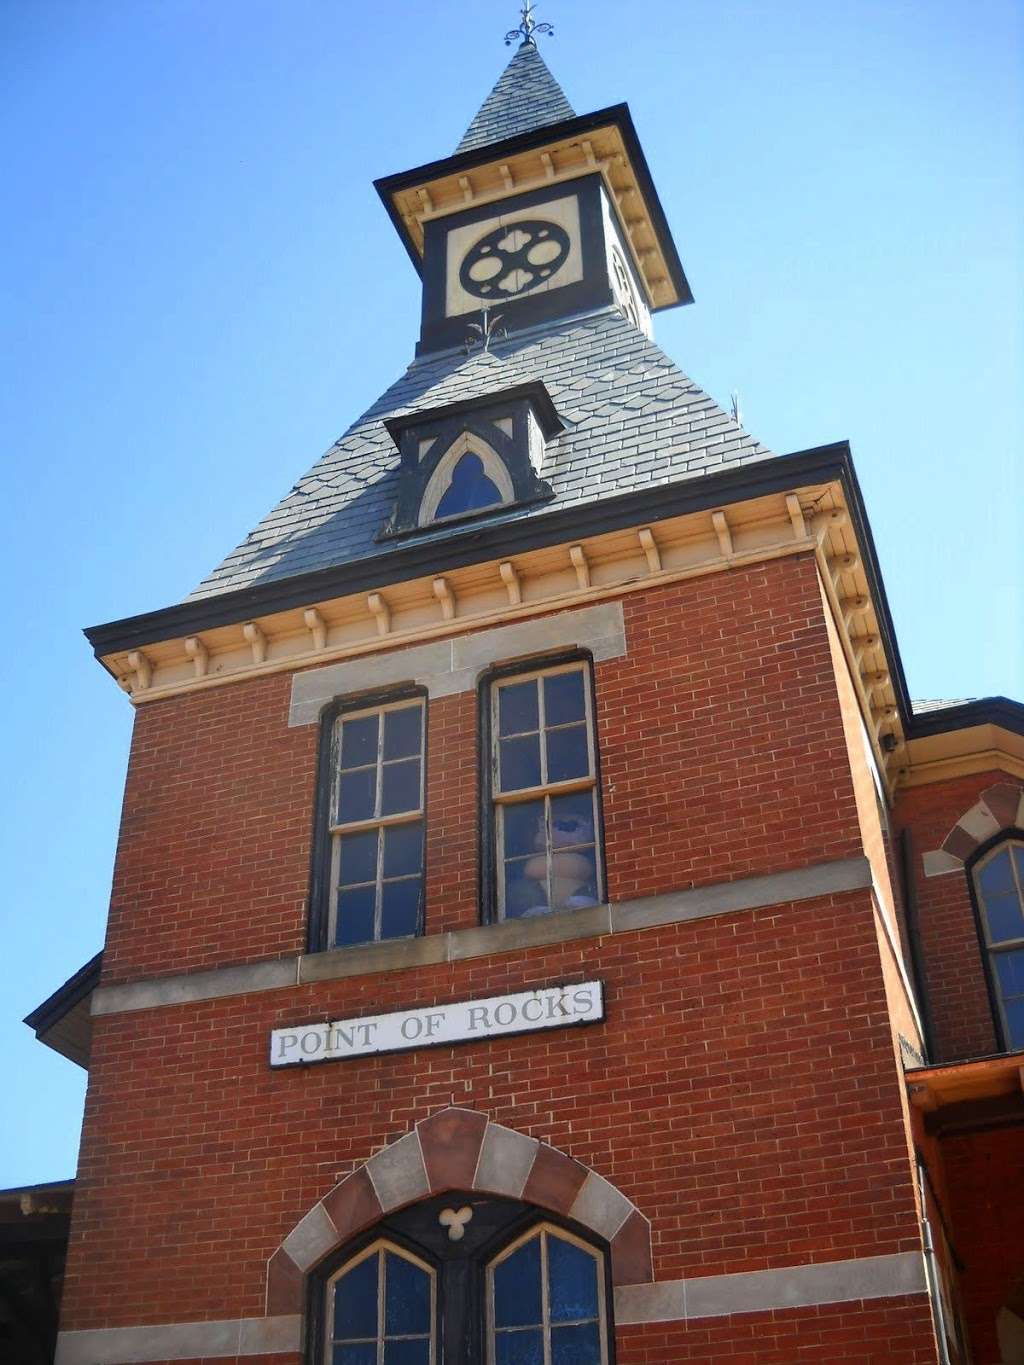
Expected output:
(539, 214)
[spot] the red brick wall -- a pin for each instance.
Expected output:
(894, 1331)
(743, 1090)
(722, 755)
(742, 1093)
(954, 971)
(988, 1227)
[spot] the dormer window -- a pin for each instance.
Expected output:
(471, 459)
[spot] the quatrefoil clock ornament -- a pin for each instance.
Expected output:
(512, 260)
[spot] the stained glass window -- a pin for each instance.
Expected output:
(546, 1302)
(999, 882)
(381, 1310)
(544, 792)
(377, 824)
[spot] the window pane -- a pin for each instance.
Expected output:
(400, 787)
(363, 1354)
(356, 794)
(573, 879)
(355, 1301)
(517, 708)
(572, 1282)
(996, 877)
(359, 741)
(1014, 1011)
(519, 1348)
(523, 826)
(568, 754)
(517, 1288)
(403, 849)
(1018, 857)
(402, 732)
(355, 916)
(407, 1352)
(520, 763)
(400, 908)
(470, 488)
(407, 1297)
(563, 698)
(576, 1345)
(572, 819)
(1010, 972)
(1005, 920)
(358, 858)
(526, 895)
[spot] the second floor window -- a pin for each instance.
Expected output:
(545, 815)
(375, 824)
(999, 883)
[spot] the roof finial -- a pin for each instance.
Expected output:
(527, 28)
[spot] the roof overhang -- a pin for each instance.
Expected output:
(973, 737)
(958, 1097)
(604, 141)
(63, 1021)
(472, 546)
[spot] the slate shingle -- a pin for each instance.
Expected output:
(525, 97)
(634, 420)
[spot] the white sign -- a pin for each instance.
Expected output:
(553, 1007)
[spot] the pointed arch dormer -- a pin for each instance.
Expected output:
(472, 459)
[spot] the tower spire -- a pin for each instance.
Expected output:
(528, 26)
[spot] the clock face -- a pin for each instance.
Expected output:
(511, 261)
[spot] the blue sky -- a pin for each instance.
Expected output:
(201, 290)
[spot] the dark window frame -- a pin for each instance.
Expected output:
(319, 911)
(467, 1290)
(488, 870)
(1004, 836)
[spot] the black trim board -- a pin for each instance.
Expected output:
(618, 114)
(66, 997)
(1001, 711)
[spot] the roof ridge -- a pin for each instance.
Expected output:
(525, 96)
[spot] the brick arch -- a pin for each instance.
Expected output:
(999, 807)
(460, 1149)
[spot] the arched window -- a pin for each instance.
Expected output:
(999, 885)
(381, 1310)
(464, 1279)
(470, 489)
(545, 1300)
(470, 477)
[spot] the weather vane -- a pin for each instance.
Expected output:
(528, 27)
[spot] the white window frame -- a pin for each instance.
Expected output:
(993, 950)
(336, 829)
(544, 1231)
(378, 1248)
(500, 800)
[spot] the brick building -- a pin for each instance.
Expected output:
(543, 929)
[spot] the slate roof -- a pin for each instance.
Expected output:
(633, 420)
(525, 97)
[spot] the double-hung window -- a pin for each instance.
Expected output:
(544, 798)
(999, 884)
(374, 834)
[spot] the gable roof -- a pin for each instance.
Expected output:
(525, 96)
(632, 419)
